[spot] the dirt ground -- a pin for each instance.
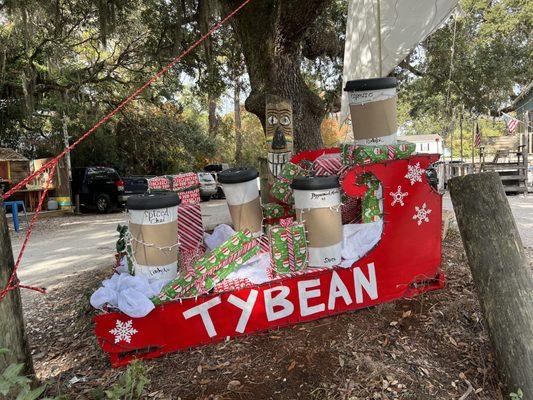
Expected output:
(431, 347)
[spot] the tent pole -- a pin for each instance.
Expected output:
(379, 38)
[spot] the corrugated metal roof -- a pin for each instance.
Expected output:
(7, 154)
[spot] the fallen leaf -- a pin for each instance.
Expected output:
(233, 384)
(291, 365)
(393, 323)
(406, 314)
(462, 375)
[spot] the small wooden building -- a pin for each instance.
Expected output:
(13, 166)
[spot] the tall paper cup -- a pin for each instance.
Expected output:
(373, 110)
(317, 202)
(153, 225)
(242, 195)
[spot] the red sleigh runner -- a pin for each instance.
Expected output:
(405, 263)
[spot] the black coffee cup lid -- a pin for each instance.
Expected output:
(238, 175)
(315, 182)
(371, 84)
(152, 201)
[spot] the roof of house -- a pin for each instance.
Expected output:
(7, 154)
(420, 138)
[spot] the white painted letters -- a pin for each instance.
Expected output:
(370, 285)
(203, 311)
(280, 300)
(305, 295)
(246, 307)
(337, 288)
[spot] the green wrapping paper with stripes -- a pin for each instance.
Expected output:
(211, 268)
(359, 155)
(281, 189)
(288, 246)
(371, 203)
(273, 210)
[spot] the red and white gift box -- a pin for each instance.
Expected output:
(190, 224)
(188, 187)
(328, 165)
(159, 183)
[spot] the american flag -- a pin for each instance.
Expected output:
(477, 138)
(512, 123)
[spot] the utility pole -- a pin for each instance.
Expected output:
(12, 334)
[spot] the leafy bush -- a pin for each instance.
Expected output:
(131, 384)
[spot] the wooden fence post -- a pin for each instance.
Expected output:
(501, 274)
(12, 333)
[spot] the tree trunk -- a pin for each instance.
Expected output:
(501, 274)
(270, 33)
(212, 115)
(238, 123)
(12, 334)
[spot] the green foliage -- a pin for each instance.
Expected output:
(131, 384)
(517, 396)
(17, 386)
(491, 58)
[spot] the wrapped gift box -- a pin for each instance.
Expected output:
(281, 188)
(188, 187)
(359, 155)
(211, 269)
(273, 210)
(328, 165)
(288, 247)
(372, 202)
(190, 224)
(159, 183)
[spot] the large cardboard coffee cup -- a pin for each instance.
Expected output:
(153, 225)
(317, 202)
(242, 195)
(373, 110)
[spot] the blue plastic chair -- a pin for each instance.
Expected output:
(15, 212)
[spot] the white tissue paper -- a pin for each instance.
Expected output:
(220, 234)
(130, 294)
(255, 269)
(359, 239)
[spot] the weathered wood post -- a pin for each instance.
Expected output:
(12, 333)
(501, 274)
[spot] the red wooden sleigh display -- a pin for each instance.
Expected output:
(405, 263)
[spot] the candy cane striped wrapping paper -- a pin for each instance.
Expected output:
(190, 227)
(227, 285)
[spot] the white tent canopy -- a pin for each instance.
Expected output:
(404, 24)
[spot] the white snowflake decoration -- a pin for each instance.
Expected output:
(414, 173)
(123, 331)
(397, 197)
(422, 214)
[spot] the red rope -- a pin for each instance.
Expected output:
(13, 283)
(134, 95)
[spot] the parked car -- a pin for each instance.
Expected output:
(99, 187)
(134, 185)
(214, 169)
(208, 185)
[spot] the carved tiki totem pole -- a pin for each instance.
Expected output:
(279, 133)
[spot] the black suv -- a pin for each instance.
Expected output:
(99, 187)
